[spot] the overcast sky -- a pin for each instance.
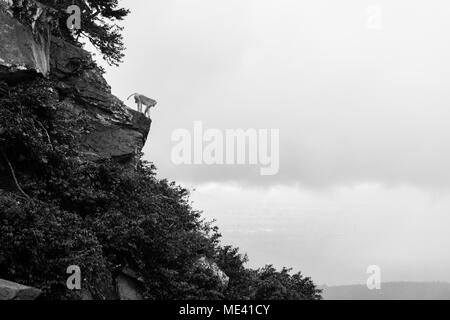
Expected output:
(363, 114)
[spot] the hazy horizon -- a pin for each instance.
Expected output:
(362, 106)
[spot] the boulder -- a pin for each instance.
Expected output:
(14, 291)
(206, 264)
(129, 285)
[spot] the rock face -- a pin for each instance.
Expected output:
(129, 285)
(204, 263)
(14, 291)
(25, 50)
(112, 130)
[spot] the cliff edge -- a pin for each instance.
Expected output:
(82, 216)
(30, 54)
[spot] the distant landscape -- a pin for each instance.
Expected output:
(390, 291)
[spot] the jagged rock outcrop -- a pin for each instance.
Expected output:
(112, 130)
(14, 291)
(24, 50)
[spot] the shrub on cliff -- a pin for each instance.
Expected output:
(38, 243)
(264, 284)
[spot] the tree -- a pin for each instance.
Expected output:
(98, 24)
(242, 280)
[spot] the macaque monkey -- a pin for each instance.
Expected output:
(143, 100)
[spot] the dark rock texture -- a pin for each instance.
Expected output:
(112, 130)
(129, 285)
(14, 291)
(24, 51)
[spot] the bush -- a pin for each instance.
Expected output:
(263, 284)
(39, 242)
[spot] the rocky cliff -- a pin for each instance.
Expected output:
(28, 53)
(35, 63)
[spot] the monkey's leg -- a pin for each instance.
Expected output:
(140, 106)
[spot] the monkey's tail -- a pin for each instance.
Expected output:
(132, 96)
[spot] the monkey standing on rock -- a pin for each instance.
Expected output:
(143, 100)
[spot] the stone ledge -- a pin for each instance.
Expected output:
(14, 291)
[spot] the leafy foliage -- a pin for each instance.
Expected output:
(281, 285)
(264, 284)
(40, 241)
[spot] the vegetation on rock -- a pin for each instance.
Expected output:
(63, 209)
